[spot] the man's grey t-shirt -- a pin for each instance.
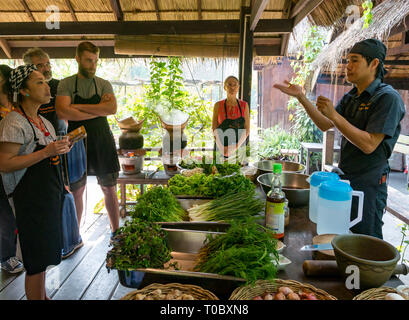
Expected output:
(85, 87)
(15, 128)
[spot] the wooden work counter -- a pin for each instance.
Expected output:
(300, 232)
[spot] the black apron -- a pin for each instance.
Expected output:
(102, 157)
(38, 200)
(235, 124)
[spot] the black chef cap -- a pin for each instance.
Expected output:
(372, 48)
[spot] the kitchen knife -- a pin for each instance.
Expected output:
(316, 247)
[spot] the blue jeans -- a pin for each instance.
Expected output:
(70, 228)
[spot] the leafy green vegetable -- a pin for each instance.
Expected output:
(247, 250)
(224, 169)
(209, 186)
(158, 205)
(232, 206)
(139, 244)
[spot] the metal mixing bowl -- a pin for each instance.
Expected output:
(266, 166)
(294, 185)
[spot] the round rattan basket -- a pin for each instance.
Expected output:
(250, 291)
(375, 293)
(198, 293)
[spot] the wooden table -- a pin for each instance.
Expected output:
(145, 177)
(300, 232)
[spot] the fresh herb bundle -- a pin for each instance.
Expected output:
(247, 250)
(158, 205)
(213, 186)
(197, 185)
(139, 244)
(224, 169)
(232, 206)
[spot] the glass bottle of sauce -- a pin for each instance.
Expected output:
(275, 204)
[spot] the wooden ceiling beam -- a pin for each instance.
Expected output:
(199, 9)
(56, 43)
(62, 53)
(11, 29)
(285, 38)
(298, 7)
(307, 8)
(256, 12)
(69, 5)
(275, 25)
(266, 41)
(116, 7)
(267, 50)
(27, 10)
(6, 48)
(157, 9)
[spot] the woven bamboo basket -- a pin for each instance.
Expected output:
(250, 291)
(375, 293)
(198, 293)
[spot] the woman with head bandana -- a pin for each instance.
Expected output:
(368, 118)
(31, 172)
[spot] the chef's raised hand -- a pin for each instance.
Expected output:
(289, 88)
(326, 107)
(57, 147)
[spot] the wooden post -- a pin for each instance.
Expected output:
(328, 148)
(259, 97)
(246, 55)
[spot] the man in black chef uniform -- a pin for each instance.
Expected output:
(368, 117)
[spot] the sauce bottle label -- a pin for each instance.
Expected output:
(275, 216)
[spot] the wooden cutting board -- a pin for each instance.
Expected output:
(323, 254)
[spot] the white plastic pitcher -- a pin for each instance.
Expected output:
(315, 180)
(334, 207)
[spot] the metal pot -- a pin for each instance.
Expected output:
(294, 185)
(266, 166)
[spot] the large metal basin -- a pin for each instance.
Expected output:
(294, 185)
(266, 166)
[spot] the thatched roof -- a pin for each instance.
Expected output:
(22, 21)
(331, 12)
(386, 15)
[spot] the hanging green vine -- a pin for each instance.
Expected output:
(367, 14)
(303, 126)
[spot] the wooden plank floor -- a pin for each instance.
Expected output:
(82, 276)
